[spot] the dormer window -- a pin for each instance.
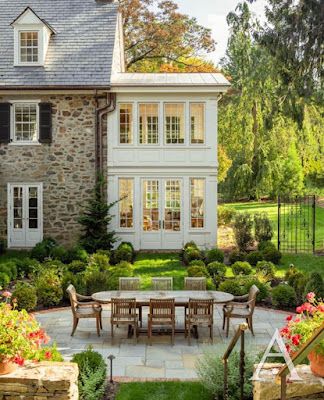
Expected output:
(31, 39)
(28, 47)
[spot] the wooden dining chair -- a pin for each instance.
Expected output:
(84, 307)
(129, 283)
(200, 312)
(198, 283)
(162, 283)
(162, 313)
(123, 312)
(239, 308)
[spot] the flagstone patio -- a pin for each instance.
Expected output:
(161, 360)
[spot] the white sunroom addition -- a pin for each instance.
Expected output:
(162, 158)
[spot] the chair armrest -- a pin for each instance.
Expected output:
(88, 303)
(241, 298)
(81, 297)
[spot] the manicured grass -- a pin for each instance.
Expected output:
(304, 262)
(163, 391)
(271, 209)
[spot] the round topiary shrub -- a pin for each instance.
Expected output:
(237, 256)
(98, 262)
(197, 271)
(283, 296)
(191, 244)
(75, 253)
(200, 263)
(241, 268)
(48, 288)
(26, 296)
(4, 280)
(97, 281)
(77, 266)
(265, 270)
(273, 256)
(315, 285)
(214, 255)
(254, 257)
(191, 254)
(266, 245)
(9, 268)
(232, 286)
(216, 268)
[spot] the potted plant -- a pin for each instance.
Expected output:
(299, 329)
(20, 338)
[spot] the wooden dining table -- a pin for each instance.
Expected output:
(181, 299)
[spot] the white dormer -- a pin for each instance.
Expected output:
(31, 39)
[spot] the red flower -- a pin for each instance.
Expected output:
(19, 360)
(48, 355)
(295, 340)
(285, 331)
(320, 307)
(288, 348)
(297, 320)
(299, 310)
(289, 318)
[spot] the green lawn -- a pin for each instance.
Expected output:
(162, 391)
(271, 209)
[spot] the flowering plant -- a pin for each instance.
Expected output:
(299, 329)
(21, 337)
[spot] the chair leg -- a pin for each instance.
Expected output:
(98, 325)
(172, 334)
(135, 333)
(100, 320)
(227, 325)
(140, 316)
(189, 333)
(75, 324)
(112, 330)
(211, 333)
(223, 320)
(149, 332)
(251, 325)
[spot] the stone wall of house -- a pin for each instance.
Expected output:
(309, 387)
(42, 381)
(66, 167)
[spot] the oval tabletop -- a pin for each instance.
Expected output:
(181, 297)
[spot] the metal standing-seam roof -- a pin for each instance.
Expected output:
(79, 54)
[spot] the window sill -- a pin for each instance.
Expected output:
(25, 144)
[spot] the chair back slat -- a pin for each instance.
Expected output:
(203, 307)
(253, 292)
(123, 307)
(165, 283)
(73, 297)
(162, 308)
(198, 283)
(129, 283)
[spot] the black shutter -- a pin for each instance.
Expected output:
(45, 122)
(5, 122)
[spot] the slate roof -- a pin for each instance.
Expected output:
(79, 54)
(169, 79)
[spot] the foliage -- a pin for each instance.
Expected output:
(264, 288)
(315, 284)
(48, 288)
(10, 269)
(214, 255)
(75, 253)
(123, 269)
(98, 262)
(216, 271)
(200, 263)
(272, 255)
(262, 227)
(95, 222)
(27, 266)
(77, 266)
(43, 249)
(266, 246)
(25, 295)
(124, 252)
(254, 257)
(210, 370)
(20, 335)
(225, 215)
(154, 35)
(97, 281)
(232, 286)
(58, 253)
(4, 280)
(297, 280)
(191, 253)
(241, 268)
(283, 296)
(265, 270)
(54, 265)
(190, 244)
(77, 280)
(242, 227)
(310, 317)
(237, 255)
(3, 246)
(92, 374)
(224, 163)
(197, 271)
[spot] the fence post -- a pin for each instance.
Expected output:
(314, 216)
(279, 205)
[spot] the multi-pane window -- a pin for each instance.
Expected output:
(151, 214)
(25, 122)
(149, 123)
(126, 206)
(28, 47)
(18, 207)
(32, 207)
(174, 123)
(197, 202)
(197, 123)
(172, 210)
(126, 123)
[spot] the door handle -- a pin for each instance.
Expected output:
(159, 224)
(163, 224)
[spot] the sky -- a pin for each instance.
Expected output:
(212, 14)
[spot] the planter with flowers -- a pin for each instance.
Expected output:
(310, 317)
(21, 338)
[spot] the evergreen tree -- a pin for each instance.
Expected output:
(95, 222)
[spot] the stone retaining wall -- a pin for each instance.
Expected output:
(41, 381)
(66, 167)
(310, 387)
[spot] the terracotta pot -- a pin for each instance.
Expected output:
(6, 367)
(316, 363)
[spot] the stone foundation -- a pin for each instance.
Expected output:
(310, 387)
(41, 381)
(66, 167)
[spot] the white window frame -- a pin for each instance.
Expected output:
(13, 122)
(130, 229)
(132, 123)
(17, 55)
(191, 228)
(139, 103)
(204, 128)
(185, 133)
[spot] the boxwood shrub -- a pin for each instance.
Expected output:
(315, 284)
(237, 255)
(10, 269)
(214, 255)
(283, 296)
(241, 268)
(4, 280)
(197, 262)
(26, 296)
(48, 288)
(254, 257)
(232, 286)
(197, 271)
(265, 270)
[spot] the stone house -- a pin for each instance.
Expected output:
(68, 110)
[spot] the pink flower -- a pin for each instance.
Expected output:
(297, 320)
(320, 307)
(310, 296)
(6, 294)
(48, 355)
(289, 318)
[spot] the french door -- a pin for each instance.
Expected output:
(25, 219)
(162, 213)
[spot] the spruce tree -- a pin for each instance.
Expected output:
(95, 222)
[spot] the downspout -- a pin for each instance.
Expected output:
(109, 107)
